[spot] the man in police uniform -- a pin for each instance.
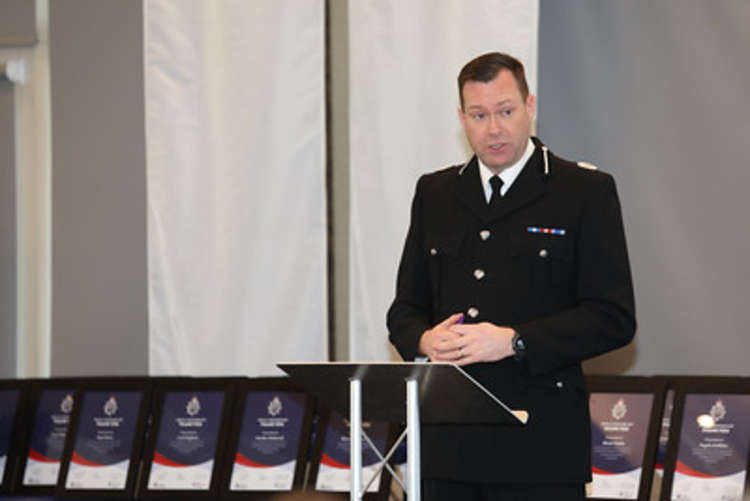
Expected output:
(515, 266)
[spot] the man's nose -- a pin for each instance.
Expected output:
(495, 126)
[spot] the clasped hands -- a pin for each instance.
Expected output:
(464, 344)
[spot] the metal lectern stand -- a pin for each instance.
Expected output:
(436, 393)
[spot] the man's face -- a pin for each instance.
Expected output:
(497, 120)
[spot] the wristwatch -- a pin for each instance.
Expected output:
(518, 346)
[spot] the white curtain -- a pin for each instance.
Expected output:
(236, 184)
(404, 60)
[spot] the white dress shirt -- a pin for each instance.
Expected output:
(508, 175)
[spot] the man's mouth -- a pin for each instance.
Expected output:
(497, 147)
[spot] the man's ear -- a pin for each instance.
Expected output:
(531, 105)
(461, 116)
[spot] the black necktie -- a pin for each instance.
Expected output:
(496, 184)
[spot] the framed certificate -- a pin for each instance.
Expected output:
(106, 439)
(11, 408)
(663, 446)
(625, 422)
(185, 450)
(709, 442)
(330, 470)
(269, 439)
(52, 403)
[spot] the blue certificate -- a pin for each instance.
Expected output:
(619, 430)
(713, 448)
(334, 473)
(8, 407)
(48, 438)
(104, 440)
(269, 441)
(187, 440)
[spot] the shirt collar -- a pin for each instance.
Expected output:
(508, 175)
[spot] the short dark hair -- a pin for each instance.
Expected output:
(486, 67)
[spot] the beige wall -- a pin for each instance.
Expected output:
(7, 232)
(99, 270)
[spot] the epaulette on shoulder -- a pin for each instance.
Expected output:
(448, 167)
(442, 171)
(587, 165)
(460, 168)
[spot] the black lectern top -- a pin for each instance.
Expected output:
(447, 394)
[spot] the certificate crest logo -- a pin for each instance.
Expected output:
(619, 409)
(66, 406)
(275, 407)
(193, 407)
(718, 411)
(110, 407)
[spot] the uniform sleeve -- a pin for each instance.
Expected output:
(410, 313)
(604, 316)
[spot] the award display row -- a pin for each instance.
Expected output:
(675, 438)
(669, 438)
(138, 438)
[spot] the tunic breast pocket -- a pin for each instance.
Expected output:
(544, 260)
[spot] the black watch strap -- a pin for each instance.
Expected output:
(518, 346)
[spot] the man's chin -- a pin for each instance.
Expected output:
(494, 163)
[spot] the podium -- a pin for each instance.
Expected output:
(435, 393)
